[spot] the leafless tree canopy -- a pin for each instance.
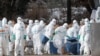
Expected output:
(36, 9)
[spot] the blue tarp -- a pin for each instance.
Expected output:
(72, 46)
(44, 39)
(53, 49)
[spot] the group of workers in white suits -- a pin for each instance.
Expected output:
(17, 35)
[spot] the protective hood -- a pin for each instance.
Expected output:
(10, 23)
(82, 21)
(36, 22)
(52, 23)
(19, 20)
(74, 21)
(75, 24)
(86, 21)
(97, 19)
(91, 21)
(98, 9)
(42, 23)
(4, 21)
(30, 21)
(65, 25)
(53, 20)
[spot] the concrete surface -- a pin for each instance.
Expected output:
(95, 39)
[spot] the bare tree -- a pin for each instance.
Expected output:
(36, 10)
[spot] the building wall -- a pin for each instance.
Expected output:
(95, 39)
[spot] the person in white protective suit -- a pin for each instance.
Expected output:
(29, 39)
(11, 43)
(60, 33)
(36, 22)
(73, 31)
(49, 30)
(81, 29)
(97, 19)
(81, 39)
(87, 38)
(19, 31)
(83, 35)
(36, 38)
(6, 38)
(75, 28)
(81, 23)
(42, 25)
(2, 36)
(28, 30)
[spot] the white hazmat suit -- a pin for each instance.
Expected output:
(29, 37)
(11, 41)
(28, 30)
(70, 33)
(58, 38)
(97, 19)
(49, 30)
(75, 28)
(84, 36)
(42, 26)
(87, 38)
(2, 36)
(19, 31)
(36, 38)
(6, 38)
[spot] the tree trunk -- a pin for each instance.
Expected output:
(68, 11)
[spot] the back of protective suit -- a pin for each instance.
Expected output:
(19, 30)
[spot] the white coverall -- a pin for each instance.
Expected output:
(29, 35)
(49, 30)
(5, 44)
(42, 26)
(36, 38)
(75, 28)
(2, 40)
(81, 39)
(73, 31)
(19, 31)
(28, 30)
(70, 32)
(84, 36)
(58, 38)
(87, 39)
(11, 42)
(97, 16)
